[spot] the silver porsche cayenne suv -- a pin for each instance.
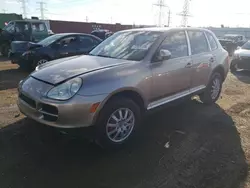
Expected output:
(129, 73)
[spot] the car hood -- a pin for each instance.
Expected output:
(242, 52)
(60, 70)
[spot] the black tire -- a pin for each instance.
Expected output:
(233, 67)
(207, 97)
(5, 50)
(113, 105)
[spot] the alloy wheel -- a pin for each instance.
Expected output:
(120, 124)
(42, 61)
(215, 90)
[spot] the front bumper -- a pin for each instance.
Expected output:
(72, 113)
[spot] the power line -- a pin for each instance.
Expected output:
(42, 9)
(24, 8)
(161, 4)
(185, 13)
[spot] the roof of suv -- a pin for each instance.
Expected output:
(163, 29)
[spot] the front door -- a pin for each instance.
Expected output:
(172, 77)
(67, 47)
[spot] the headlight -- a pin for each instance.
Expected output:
(66, 90)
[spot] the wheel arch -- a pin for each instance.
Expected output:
(220, 70)
(130, 93)
(45, 56)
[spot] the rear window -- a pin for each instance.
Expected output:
(211, 41)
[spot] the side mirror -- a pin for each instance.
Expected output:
(238, 47)
(163, 55)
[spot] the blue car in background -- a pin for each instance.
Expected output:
(28, 54)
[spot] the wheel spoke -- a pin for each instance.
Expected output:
(126, 114)
(128, 119)
(111, 125)
(117, 133)
(112, 132)
(120, 114)
(115, 118)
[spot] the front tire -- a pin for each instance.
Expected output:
(39, 61)
(117, 122)
(5, 50)
(213, 89)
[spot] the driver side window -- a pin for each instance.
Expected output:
(176, 43)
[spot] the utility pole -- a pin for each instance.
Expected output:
(23, 3)
(87, 19)
(42, 9)
(161, 4)
(185, 13)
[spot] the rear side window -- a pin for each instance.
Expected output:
(211, 41)
(87, 41)
(198, 42)
(176, 43)
(38, 27)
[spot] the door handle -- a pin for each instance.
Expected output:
(65, 53)
(189, 65)
(211, 60)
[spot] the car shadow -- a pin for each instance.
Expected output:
(10, 78)
(190, 145)
(243, 76)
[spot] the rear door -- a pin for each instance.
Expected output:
(86, 44)
(202, 58)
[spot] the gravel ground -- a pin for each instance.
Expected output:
(208, 146)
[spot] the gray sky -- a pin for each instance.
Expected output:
(204, 12)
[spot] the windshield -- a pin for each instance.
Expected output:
(130, 45)
(233, 38)
(246, 46)
(49, 40)
(9, 27)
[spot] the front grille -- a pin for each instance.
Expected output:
(50, 113)
(50, 109)
(49, 117)
(28, 100)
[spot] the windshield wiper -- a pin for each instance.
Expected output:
(99, 55)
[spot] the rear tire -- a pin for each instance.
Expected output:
(117, 122)
(213, 89)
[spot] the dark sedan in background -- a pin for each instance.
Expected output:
(28, 55)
